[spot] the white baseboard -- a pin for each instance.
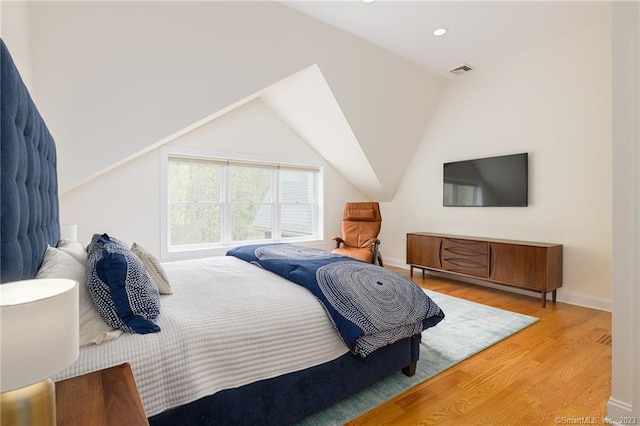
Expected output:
(618, 411)
(586, 300)
(564, 296)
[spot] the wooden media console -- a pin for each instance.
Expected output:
(526, 265)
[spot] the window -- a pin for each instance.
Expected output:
(195, 202)
(219, 202)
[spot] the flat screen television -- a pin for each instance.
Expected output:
(487, 182)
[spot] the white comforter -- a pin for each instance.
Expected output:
(228, 324)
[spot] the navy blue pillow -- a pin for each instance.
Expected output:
(120, 286)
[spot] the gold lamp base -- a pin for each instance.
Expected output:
(33, 405)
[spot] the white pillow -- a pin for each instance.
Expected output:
(93, 329)
(154, 268)
(75, 249)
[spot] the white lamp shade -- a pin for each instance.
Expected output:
(69, 232)
(38, 330)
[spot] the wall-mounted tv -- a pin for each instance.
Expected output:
(487, 182)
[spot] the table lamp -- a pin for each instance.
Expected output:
(69, 232)
(38, 338)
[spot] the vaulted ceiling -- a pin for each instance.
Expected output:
(358, 81)
(479, 32)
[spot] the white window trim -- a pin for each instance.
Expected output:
(219, 250)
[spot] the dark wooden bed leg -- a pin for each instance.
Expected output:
(410, 369)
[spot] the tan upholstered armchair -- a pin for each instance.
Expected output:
(361, 224)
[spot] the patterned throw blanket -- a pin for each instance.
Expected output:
(369, 306)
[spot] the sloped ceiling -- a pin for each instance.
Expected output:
(480, 32)
(115, 79)
(305, 103)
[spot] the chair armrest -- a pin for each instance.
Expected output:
(338, 241)
(371, 242)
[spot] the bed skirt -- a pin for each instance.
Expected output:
(291, 397)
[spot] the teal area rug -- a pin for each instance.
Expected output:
(467, 329)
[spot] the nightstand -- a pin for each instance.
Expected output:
(102, 398)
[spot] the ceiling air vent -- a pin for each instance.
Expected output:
(461, 69)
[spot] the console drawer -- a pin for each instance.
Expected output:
(470, 247)
(467, 257)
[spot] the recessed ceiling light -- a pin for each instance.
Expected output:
(368, 1)
(440, 31)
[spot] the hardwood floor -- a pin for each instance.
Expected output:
(557, 371)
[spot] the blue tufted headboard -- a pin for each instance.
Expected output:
(28, 180)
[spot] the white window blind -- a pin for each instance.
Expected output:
(214, 202)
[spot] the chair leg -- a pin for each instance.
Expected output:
(377, 257)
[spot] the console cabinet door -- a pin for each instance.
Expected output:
(424, 250)
(518, 265)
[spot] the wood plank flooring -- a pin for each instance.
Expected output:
(557, 371)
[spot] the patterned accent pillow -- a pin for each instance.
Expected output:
(153, 267)
(93, 329)
(121, 288)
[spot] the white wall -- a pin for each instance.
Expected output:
(625, 383)
(553, 102)
(15, 30)
(126, 201)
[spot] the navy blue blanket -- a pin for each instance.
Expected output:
(369, 306)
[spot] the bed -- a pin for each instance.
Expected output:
(236, 343)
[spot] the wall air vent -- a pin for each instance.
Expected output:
(461, 69)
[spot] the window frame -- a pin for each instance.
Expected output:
(214, 249)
